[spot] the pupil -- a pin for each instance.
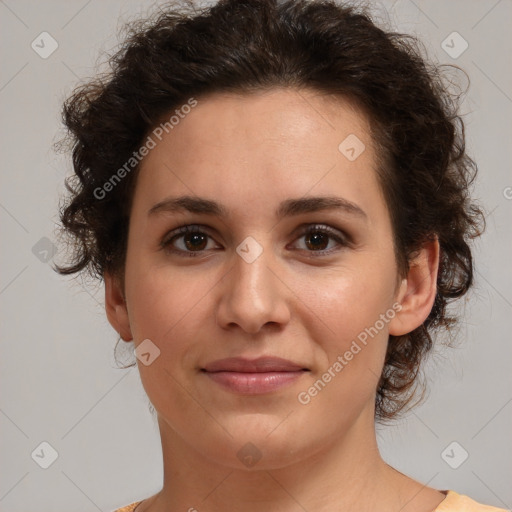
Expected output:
(195, 241)
(317, 241)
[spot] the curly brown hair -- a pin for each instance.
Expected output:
(249, 45)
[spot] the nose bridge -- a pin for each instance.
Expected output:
(252, 295)
(253, 278)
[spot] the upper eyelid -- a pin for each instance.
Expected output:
(186, 228)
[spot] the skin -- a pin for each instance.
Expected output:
(250, 152)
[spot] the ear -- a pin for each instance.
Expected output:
(418, 290)
(115, 306)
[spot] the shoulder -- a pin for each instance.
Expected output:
(128, 508)
(455, 502)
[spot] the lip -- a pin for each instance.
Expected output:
(254, 376)
(259, 365)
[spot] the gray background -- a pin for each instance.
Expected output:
(59, 379)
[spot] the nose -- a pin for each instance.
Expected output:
(252, 295)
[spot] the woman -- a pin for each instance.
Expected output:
(276, 197)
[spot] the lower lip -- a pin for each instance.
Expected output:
(254, 383)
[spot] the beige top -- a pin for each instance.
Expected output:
(452, 503)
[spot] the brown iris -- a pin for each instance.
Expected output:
(195, 241)
(317, 240)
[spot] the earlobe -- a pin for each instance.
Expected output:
(417, 292)
(115, 306)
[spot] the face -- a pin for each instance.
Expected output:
(264, 269)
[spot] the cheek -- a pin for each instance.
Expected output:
(350, 346)
(163, 298)
(347, 302)
(350, 337)
(166, 305)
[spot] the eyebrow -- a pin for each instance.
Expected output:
(287, 208)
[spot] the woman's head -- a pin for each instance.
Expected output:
(250, 104)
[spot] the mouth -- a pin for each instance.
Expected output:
(253, 377)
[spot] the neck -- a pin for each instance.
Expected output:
(345, 473)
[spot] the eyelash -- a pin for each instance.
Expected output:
(166, 244)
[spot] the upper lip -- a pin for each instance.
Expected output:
(259, 365)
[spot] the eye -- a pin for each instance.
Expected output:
(318, 238)
(190, 240)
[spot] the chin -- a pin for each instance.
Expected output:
(255, 445)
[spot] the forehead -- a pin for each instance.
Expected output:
(296, 117)
(266, 145)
